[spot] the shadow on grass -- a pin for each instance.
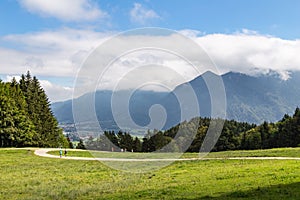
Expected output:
(290, 191)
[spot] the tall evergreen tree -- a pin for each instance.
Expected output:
(80, 145)
(137, 145)
(38, 108)
(15, 127)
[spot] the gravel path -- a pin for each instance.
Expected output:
(44, 153)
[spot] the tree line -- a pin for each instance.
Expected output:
(234, 136)
(25, 115)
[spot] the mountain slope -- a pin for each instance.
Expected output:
(262, 98)
(251, 99)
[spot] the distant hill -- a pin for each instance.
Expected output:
(252, 99)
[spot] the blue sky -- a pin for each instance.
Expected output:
(51, 38)
(274, 17)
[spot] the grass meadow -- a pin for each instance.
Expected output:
(278, 152)
(27, 176)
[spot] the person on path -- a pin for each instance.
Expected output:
(60, 153)
(66, 152)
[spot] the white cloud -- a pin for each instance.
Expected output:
(191, 33)
(61, 52)
(58, 53)
(9, 78)
(141, 15)
(246, 52)
(56, 92)
(245, 31)
(151, 69)
(67, 10)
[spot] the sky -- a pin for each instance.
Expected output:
(53, 38)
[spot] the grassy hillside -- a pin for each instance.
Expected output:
(26, 176)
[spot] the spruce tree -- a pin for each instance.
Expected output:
(80, 145)
(38, 108)
(16, 129)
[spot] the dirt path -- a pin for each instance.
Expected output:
(44, 153)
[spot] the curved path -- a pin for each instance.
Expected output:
(44, 153)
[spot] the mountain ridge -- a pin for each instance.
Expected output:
(252, 99)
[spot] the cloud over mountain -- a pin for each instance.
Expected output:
(61, 53)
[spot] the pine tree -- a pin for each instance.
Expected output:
(137, 145)
(15, 127)
(70, 143)
(80, 145)
(38, 109)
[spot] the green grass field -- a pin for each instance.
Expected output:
(279, 152)
(26, 176)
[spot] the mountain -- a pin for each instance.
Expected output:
(252, 99)
(262, 98)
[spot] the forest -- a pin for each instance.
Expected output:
(234, 136)
(26, 119)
